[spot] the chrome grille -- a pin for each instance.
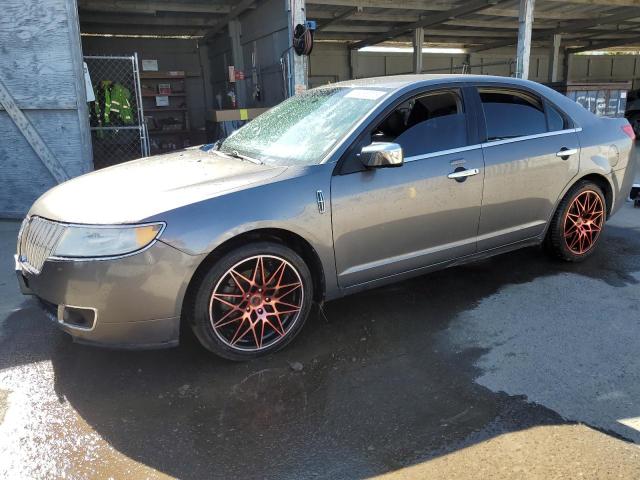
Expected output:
(37, 239)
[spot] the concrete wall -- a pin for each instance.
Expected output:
(264, 34)
(41, 69)
(330, 62)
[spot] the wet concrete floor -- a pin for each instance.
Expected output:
(514, 367)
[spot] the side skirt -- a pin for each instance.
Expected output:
(442, 265)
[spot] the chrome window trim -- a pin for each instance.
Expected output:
(491, 144)
(442, 152)
(531, 137)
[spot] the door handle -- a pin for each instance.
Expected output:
(565, 153)
(463, 173)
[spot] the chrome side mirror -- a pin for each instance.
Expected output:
(382, 155)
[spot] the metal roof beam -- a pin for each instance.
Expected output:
(568, 28)
(337, 18)
(435, 19)
(605, 44)
(136, 19)
(151, 6)
(235, 12)
(603, 3)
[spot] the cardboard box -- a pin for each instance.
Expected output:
(238, 114)
(164, 88)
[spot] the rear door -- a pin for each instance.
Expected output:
(531, 152)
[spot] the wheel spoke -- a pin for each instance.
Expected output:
(216, 296)
(290, 305)
(220, 323)
(291, 289)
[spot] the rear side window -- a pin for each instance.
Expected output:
(555, 119)
(510, 114)
(426, 124)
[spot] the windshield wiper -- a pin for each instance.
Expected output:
(234, 153)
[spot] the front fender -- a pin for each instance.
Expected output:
(288, 203)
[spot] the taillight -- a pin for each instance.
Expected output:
(628, 129)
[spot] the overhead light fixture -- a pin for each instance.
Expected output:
(382, 49)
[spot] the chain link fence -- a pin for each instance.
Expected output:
(117, 125)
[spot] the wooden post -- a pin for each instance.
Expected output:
(299, 63)
(75, 46)
(525, 24)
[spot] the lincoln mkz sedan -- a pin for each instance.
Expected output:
(342, 188)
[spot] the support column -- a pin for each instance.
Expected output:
(554, 54)
(566, 65)
(525, 24)
(418, 42)
(353, 64)
(299, 63)
(237, 59)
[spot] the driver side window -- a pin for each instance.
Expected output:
(427, 123)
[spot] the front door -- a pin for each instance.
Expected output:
(393, 220)
(531, 153)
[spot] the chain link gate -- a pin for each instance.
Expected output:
(118, 131)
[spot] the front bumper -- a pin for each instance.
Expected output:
(136, 300)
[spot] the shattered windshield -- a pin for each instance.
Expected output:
(302, 129)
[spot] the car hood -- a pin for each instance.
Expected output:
(134, 191)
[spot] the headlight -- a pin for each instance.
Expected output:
(109, 241)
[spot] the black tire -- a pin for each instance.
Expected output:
(209, 308)
(555, 241)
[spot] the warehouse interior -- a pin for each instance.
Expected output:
(199, 40)
(134, 78)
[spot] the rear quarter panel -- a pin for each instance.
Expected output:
(606, 150)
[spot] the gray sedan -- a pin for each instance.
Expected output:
(342, 188)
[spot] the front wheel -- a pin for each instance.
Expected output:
(253, 301)
(578, 222)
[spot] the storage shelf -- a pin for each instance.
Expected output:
(165, 109)
(159, 76)
(151, 95)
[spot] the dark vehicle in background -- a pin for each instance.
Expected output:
(632, 112)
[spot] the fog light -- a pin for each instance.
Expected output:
(77, 317)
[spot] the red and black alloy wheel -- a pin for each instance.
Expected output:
(253, 301)
(583, 222)
(256, 302)
(578, 222)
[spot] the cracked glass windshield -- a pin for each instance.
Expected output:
(302, 129)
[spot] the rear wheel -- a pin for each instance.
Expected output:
(578, 222)
(253, 301)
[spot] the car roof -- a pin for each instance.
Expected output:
(399, 81)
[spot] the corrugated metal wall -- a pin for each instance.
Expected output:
(41, 69)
